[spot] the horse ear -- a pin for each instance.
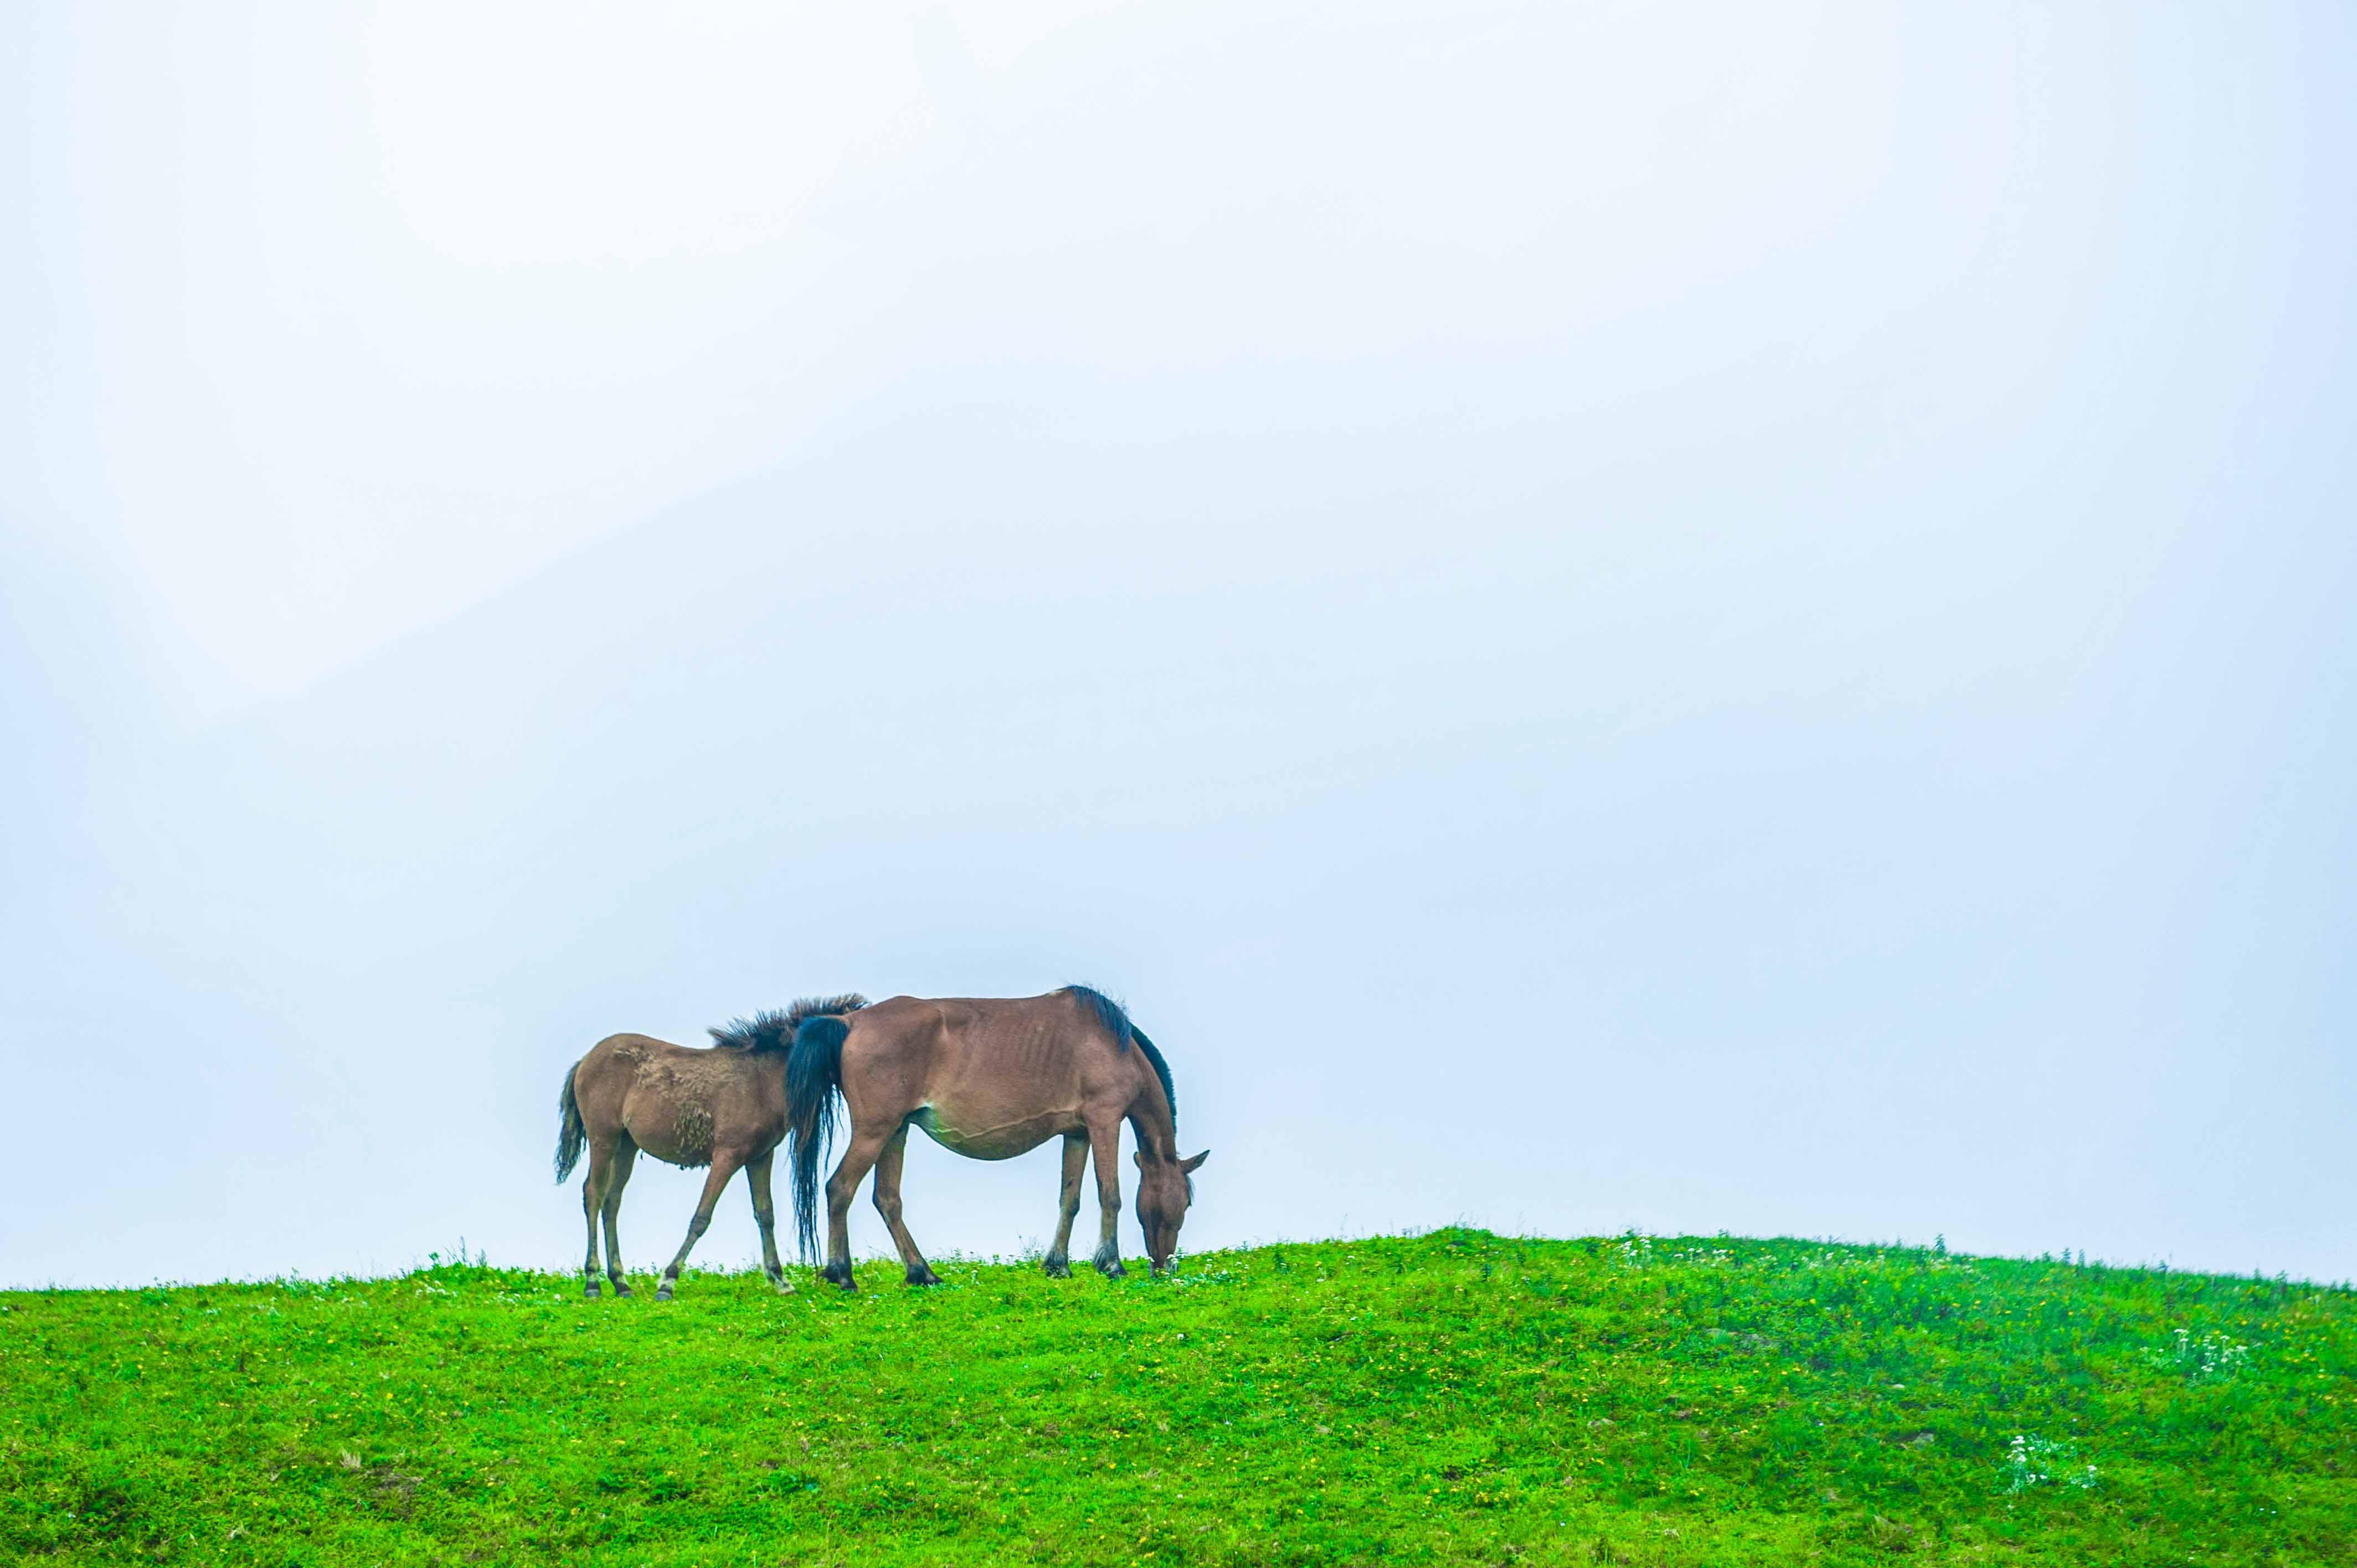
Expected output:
(1191, 1167)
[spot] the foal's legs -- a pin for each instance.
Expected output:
(625, 1154)
(888, 1204)
(841, 1188)
(724, 1166)
(593, 1194)
(1059, 1261)
(1105, 1142)
(765, 1214)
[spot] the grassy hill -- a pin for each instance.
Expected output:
(1454, 1398)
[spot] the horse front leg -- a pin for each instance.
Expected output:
(724, 1166)
(1059, 1261)
(1105, 1144)
(765, 1214)
(888, 1204)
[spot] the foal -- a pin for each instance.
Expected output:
(990, 1080)
(723, 1106)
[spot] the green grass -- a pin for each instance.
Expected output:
(1453, 1398)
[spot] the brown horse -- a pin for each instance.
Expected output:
(724, 1106)
(990, 1080)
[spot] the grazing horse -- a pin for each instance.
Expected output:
(987, 1079)
(723, 1106)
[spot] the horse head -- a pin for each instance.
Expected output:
(1164, 1189)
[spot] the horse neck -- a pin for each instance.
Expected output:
(1158, 1133)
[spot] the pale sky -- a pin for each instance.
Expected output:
(1728, 618)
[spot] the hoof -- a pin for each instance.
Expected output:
(663, 1291)
(620, 1289)
(785, 1286)
(839, 1275)
(1057, 1268)
(1112, 1269)
(923, 1276)
(590, 1290)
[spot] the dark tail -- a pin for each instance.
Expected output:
(570, 1135)
(814, 1083)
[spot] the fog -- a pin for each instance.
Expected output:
(1597, 620)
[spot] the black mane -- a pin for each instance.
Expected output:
(1123, 1032)
(772, 1031)
(765, 1032)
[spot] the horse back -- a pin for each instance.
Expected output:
(679, 1102)
(992, 1057)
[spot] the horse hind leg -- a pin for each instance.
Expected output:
(888, 1204)
(1059, 1261)
(841, 1188)
(626, 1157)
(593, 1195)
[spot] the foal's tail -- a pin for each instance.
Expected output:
(570, 1135)
(814, 1083)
